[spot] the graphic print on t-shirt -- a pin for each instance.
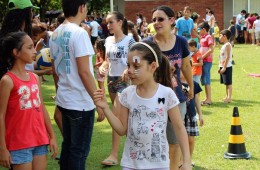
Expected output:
(118, 53)
(145, 121)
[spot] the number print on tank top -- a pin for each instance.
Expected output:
(35, 90)
(29, 97)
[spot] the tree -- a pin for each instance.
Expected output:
(3, 9)
(46, 5)
(99, 6)
(43, 5)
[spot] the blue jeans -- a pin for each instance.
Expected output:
(77, 132)
(205, 77)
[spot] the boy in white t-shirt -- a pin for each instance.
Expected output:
(71, 52)
(225, 64)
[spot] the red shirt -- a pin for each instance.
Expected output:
(205, 42)
(24, 120)
(251, 22)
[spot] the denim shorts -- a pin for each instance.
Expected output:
(26, 155)
(197, 78)
(205, 77)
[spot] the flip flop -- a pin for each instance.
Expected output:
(205, 103)
(109, 162)
(226, 101)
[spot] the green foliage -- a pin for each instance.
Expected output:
(99, 5)
(212, 143)
(3, 9)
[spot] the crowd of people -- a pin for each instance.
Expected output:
(154, 73)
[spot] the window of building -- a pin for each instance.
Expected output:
(254, 6)
(251, 6)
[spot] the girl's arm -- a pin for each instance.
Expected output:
(228, 48)
(104, 66)
(187, 73)
(97, 64)
(118, 124)
(210, 51)
(181, 134)
(198, 108)
(6, 86)
(200, 62)
(47, 121)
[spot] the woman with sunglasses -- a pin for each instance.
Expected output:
(176, 49)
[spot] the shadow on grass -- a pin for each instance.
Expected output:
(235, 102)
(202, 168)
(109, 167)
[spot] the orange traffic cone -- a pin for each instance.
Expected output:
(236, 146)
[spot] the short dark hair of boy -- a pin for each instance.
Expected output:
(232, 21)
(192, 43)
(70, 8)
(91, 17)
(243, 12)
(204, 25)
(226, 32)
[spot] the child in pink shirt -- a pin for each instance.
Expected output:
(206, 50)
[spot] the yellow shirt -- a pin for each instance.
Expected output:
(216, 32)
(151, 29)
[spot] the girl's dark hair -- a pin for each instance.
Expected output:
(119, 16)
(163, 73)
(70, 8)
(167, 10)
(38, 28)
(194, 16)
(204, 25)
(131, 27)
(11, 41)
(211, 12)
(177, 15)
(14, 20)
(100, 45)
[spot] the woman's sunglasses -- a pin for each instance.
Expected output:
(159, 19)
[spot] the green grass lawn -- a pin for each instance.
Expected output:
(213, 140)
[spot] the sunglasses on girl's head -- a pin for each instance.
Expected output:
(159, 19)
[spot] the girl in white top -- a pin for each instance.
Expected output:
(145, 108)
(225, 64)
(117, 47)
